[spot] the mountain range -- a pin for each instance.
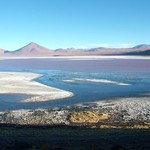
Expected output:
(36, 50)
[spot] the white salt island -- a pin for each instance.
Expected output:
(24, 83)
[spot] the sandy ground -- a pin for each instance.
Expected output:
(24, 83)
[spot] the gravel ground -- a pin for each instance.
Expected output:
(123, 112)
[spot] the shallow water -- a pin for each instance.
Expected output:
(107, 65)
(135, 74)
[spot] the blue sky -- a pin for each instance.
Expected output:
(74, 23)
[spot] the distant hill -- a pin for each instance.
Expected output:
(142, 46)
(142, 53)
(35, 50)
(1, 52)
(32, 49)
(142, 49)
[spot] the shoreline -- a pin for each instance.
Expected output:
(24, 83)
(124, 113)
(91, 57)
(120, 112)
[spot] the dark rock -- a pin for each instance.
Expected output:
(118, 147)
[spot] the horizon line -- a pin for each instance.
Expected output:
(88, 47)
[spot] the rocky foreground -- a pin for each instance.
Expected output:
(121, 113)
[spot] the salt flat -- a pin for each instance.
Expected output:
(97, 81)
(24, 83)
(84, 57)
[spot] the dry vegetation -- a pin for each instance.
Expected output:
(88, 117)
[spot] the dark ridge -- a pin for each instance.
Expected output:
(141, 45)
(142, 53)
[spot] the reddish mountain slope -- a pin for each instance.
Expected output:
(35, 50)
(1, 52)
(31, 49)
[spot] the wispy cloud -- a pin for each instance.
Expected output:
(99, 45)
(123, 45)
(106, 45)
